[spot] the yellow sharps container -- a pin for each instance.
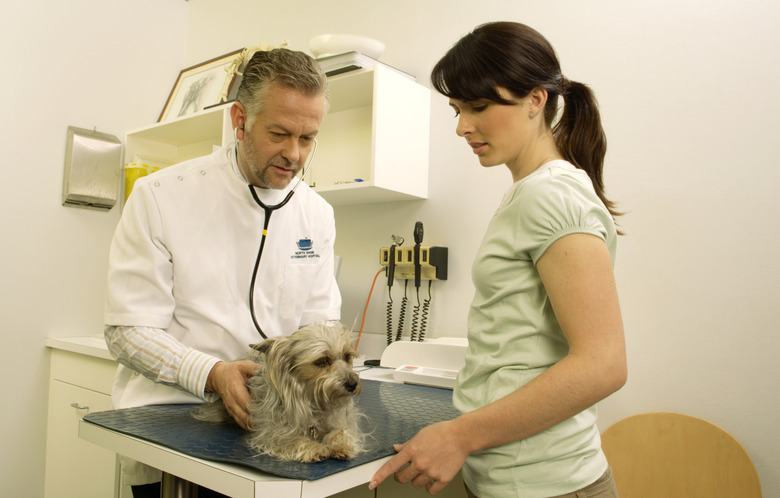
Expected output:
(134, 171)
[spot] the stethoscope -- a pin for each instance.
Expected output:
(268, 210)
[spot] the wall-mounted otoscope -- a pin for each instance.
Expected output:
(415, 263)
(397, 239)
(418, 238)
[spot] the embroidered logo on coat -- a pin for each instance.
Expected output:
(305, 249)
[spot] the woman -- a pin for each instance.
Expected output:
(545, 330)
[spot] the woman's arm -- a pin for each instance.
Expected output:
(577, 273)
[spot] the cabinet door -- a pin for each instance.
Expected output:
(76, 468)
(361, 491)
(392, 489)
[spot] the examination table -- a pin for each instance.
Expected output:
(213, 455)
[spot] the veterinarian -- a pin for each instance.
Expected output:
(545, 330)
(186, 251)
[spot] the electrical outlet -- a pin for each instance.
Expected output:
(433, 262)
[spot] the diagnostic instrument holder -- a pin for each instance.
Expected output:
(433, 262)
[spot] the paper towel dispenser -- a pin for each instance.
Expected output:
(93, 162)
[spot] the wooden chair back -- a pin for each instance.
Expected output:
(672, 455)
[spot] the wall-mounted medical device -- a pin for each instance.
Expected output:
(416, 263)
(433, 262)
(93, 162)
(435, 362)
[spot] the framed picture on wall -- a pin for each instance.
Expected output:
(200, 86)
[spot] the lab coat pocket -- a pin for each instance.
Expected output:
(298, 279)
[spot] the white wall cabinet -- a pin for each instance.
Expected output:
(78, 384)
(373, 143)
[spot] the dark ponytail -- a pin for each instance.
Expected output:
(516, 57)
(580, 137)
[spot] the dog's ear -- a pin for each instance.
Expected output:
(264, 346)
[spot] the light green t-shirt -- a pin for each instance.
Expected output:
(514, 335)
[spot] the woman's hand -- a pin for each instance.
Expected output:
(431, 459)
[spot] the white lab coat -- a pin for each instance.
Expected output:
(182, 260)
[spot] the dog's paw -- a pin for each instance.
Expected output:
(307, 451)
(314, 453)
(342, 445)
(343, 452)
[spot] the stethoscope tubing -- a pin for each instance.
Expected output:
(268, 211)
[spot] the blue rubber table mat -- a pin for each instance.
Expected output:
(395, 413)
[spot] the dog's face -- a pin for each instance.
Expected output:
(314, 362)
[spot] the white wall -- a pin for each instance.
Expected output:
(688, 91)
(88, 63)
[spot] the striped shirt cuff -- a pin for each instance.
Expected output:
(194, 371)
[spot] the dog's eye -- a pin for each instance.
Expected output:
(349, 356)
(323, 362)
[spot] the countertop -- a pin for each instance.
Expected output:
(95, 345)
(92, 345)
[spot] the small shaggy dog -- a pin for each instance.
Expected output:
(302, 397)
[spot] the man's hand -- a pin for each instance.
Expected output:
(228, 379)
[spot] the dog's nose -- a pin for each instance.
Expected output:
(350, 385)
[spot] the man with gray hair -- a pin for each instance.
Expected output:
(198, 270)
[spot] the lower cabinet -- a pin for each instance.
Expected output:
(392, 489)
(78, 384)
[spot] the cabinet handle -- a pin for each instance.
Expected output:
(79, 407)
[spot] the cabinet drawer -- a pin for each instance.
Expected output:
(74, 467)
(96, 374)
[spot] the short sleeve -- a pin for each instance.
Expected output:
(555, 203)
